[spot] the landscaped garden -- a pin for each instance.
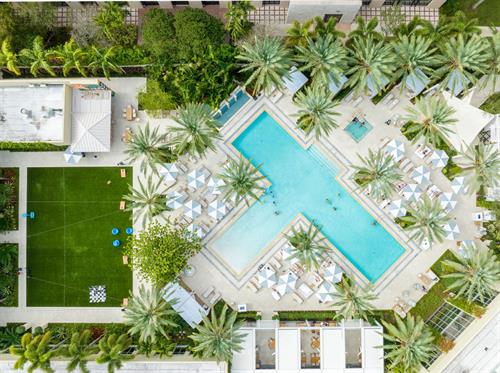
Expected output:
(9, 194)
(70, 241)
(8, 275)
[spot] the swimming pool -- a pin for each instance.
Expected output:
(302, 181)
(358, 129)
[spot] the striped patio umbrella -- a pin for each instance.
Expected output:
(333, 273)
(412, 192)
(196, 179)
(217, 209)
(72, 157)
(325, 291)
(267, 277)
(169, 172)
(395, 148)
(192, 209)
(458, 184)
(439, 158)
(175, 199)
(215, 185)
(452, 231)
(448, 201)
(397, 208)
(421, 175)
(286, 283)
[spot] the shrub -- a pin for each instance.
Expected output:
(31, 146)
(305, 315)
(492, 104)
(111, 20)
(445, 344)
(158, 34)
(8, 274)
(155, 100)
(471, 308)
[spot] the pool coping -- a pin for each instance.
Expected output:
(230, 131)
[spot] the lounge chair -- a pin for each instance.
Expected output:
(393, 103)
(125, 259)
(124, 302)
(432, 275)
(275, 295)
(397, 308)
(122, 205)
(275, 263)
(208, 292)
(357, 101)
(349, 97)
(296, 297)
(123, 172)
(305, 290)
(252, 287)
(388, 98)
(214, 299)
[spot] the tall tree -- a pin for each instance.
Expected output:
(79, 351)
(366, 30)
(306, 247)
(460, 24)
(299, 33)
(378, 174)
(237, 23)
(322, 28)
(8, 58)
(72, 57)
(102, 60)
(268, 60)
(38, 57)
(352, 301)
(316, 112)
(493, 62)
(112, 351)
(36, 351)
(219, 336)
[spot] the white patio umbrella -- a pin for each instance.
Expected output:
(457, 184)
(197, 230)
(196, 179)
(395, 148)
(215, 185)
(286, 253)
(324, 292)
(333, 273)
(192, 209)
(286, 283)
(421, 175)
(267, 277)
(439, 158)
(72, 157)
(397, 209)
(217, 209)
(452, 231)
(412, 192)
(448, 201)
(169, 172)
(175, 199)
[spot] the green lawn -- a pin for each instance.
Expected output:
(70, 242)
(492, 104)
(488, 12)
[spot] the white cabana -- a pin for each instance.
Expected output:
(294, 81)
(416, 81)
(456, 84)
(215, 185)
(289, 350)
(169, 172)
(333, 273)
(196, 179)
(324, 292)
(448, 201)
(334, 86)
(376, 86)
(186, 305)
(452, 230)
(412, 192)
(421, 175)
(439, 158)
(395, 148)
(192, 209)
(470, 121)
(72, 157)
(197, 230)
(458, 185)
(217, 209)
(286, 283)
(91, 132)
(397, 208)
(175, 199)
(267, 277)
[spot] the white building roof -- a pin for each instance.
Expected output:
(470, 121)
(295, 81)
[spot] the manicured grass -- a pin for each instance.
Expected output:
(70, 242)
(492, 104)
(488, 12)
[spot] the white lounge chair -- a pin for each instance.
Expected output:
(357, 101)
(305, 290)
(214, 299)
(393, 103)
(388, 98)
(252, 287)
(208, 292)
(275, 263)
(275, 295)
(297, 298)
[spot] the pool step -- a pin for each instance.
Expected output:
(318, 155)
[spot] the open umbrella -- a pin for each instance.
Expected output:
(197, 230)
(397, 209)
(72, 157)
(439, 158)
(333, 273)
(267, 277)
(452, 231)
(196, 179)
(169, 172)
(217, 209)
(324, 292)
(412, 192)
(286, 253)
(175, 199)
(448, 201)
(457, 184)
(421, 175)
(215, 185)
(286, 283)
(395, 148)
(192, 209)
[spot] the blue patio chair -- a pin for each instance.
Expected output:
(115, 231)
(129, 230)
(30, 215)
(116, 243)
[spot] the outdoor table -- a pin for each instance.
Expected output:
(130, 113)
(315, 342)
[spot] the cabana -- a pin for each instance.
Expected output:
(416, 82)
(334, 87)
(470, 121)
(375, 87)
(294, 81)
(456, 84)
(186, 304)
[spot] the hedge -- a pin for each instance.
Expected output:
(31, 146)
(305, 315)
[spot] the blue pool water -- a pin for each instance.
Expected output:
(235, 104)
(302, 180)
(358, 129)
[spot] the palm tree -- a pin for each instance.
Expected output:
(195, 130)
(415, 57)
(410, 28)
(379, 174)
(79, 351)
(268, 60)
(38, 57)
(149, 147)
(475, 274)
(102, 60)
(426, 220)
(324, 59)
(481, 166)
(241, 181)
(36, 351)
(316, 111)
(8, 58)
(111, 351)
(371, 62)
(431, 118)
(462, 61)
(72, 57)
(306, 247)
(437, 32)
(460, 24)
(237, 23)
(322, 28)
(493, 69)
(148, 200)
(149, 315)
(298, 33)
(219, 336)
(410, 343)
(365, 30)
(351, 301)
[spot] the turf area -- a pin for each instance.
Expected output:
(488, 12)
(70, 241)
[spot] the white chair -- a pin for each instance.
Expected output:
(276, 296)
(214, 299)
(297, 298)
(275, 263)
(252, 287)
(393, 104)
(305, 290)
(387, 98)
(208, 292)
(357, 101)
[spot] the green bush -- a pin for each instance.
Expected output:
(155, 100)
(430, 302)
(306, 315)
(492, 104)
(9, 192)
(31, 146)
(8, 274)
(158, 34)
(471, 308)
